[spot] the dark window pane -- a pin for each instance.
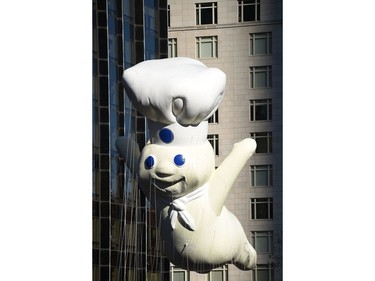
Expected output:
(119, 50)
(206, 16)
(103, 94)
(104, 257)
(104, 209)
(103, 67)
(102, 19)
(104, 273)
(101, 4)
(95, 209)
(102, 40)
(104, 233)
(117, 211)
(262, 210)
(95, 257)
(104, 186)
(140, 124)
(249, 13)
(118, 8)
(104, 115)
(104, 134)
(261, 112)
(261, 145)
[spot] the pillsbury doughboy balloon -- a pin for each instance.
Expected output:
(176, 169)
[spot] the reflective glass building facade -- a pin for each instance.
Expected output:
(125, 242)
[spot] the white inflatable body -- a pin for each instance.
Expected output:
(176, 169)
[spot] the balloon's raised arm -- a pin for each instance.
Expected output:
(225, 175)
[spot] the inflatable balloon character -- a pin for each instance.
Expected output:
(176, 169)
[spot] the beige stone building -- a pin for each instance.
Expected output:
(243, 39)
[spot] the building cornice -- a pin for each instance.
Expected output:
(221, 26)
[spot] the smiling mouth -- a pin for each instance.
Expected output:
(166, 186)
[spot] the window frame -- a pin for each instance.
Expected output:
(214, 118)
(205, 5)
(269, 267)
(257, 168)
(199, 40)
(255, 235)
(224, 273)
(254, 202)
(241, 6)
(253, 37)
(267, 69)
(172, 47)
(267, 136)
(256, 103)
(174, 269)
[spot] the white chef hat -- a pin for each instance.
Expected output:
(178, 95)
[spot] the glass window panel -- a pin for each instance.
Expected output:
(260, 46)
(249, 13)
(217, 276)
(261, 112)
(104, 233)
(262, 244)
(261, 178)
(206, 16)
(262, 275)
(179, 276)
(206, 50)
(262, 210)
(261, 145)
(260, 79)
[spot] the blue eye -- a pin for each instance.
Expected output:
(179, 160)
(166, 135)
(149, 162)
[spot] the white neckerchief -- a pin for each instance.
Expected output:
(178, 207)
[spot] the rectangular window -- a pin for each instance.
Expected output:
(260, 43)
(214, 140)
(260, 77)
(261, 110)
(262, 241)
(248, 10)
(261, 208)
(263, 272)
(172, 47)
(264, 142)
(261, 175)
(206, 13)
(214, 119)
(178, 274)
(218, 274)
(206, 47)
